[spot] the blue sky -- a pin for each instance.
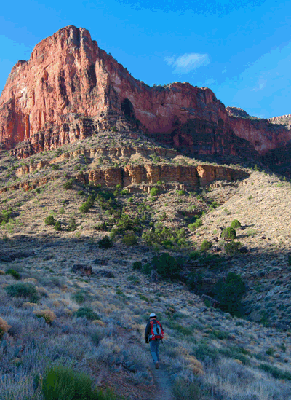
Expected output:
(240, 49)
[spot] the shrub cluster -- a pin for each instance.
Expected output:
(105, 243)
(85, 207)
(5, 216)
(167, 266)
(63, 383)
(235, 224)
(15, 274)
(205, 245)
(229, 293)
(72, 226)
(165, 237)
(23, 290)
(69, 184)
(228, 233)
(195, 225)
(87, 312)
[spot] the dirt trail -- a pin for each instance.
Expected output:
(163, 383)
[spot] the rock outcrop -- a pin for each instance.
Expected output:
(70, 88)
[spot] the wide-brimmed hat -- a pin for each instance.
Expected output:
(152, 315)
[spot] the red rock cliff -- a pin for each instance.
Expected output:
(71, 88)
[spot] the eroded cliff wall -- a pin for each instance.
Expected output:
(70, 88)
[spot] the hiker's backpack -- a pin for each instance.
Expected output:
(157, 332)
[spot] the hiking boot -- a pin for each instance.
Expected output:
(157, 365)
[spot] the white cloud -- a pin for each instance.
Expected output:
(187, 62)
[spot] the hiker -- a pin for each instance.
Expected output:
(154, 333)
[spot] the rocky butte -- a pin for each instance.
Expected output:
(70, 89)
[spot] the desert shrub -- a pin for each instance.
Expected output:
(79, 296)
(23, 290)
(195, 281)
(228, 233)
(235, 224)
(154, 191)
(124, 192)
(5, 215)
(232, 247)
(86, 312)
(164, 236)
(130, 239)
(183, 389)
(85, 207)
(195, 225)
(72, 226)
(181, 192)
(55, 167)
(205, 245)
(63, 383)
(166, 266)
(213, 205)
(15, 274)
(203, 352)
(137, 265)
(229, 293)
(69, 184)
(236, 352)
(57, 226)
(4, 327)
(126, 223)
(101, 227)
(276, 372)
(105, 243)
(49, 220)
(48, 315)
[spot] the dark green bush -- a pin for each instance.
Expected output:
(203, 351)
(72, 226)
(105, 243)
(63, 383)
(235, 224)
(23, 290)
(5, 215)
(228, 233)
(85, 207)
(154, 191)
(69, 184)
(50, 220)
(276, 372)
(58, 226)
(183, 389)
(205, 245)
(195, 224)
(86, 312)
(15, 274)
(166, 237)
(166, 266)
(229, 293)
(137, 265)
(79, 296)
(232, 247)
(101, 227)
(130, 239)
(55, 166)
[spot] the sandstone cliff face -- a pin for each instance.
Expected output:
(70, 88)
(190, 177)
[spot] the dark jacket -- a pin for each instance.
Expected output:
(148, 330)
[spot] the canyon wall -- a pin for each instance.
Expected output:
(70, 88)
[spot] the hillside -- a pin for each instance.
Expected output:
(57, 205)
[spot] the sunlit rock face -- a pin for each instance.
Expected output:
(70, 88)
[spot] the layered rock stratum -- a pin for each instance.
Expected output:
(70, 89)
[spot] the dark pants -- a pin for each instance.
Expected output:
(155, 350)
